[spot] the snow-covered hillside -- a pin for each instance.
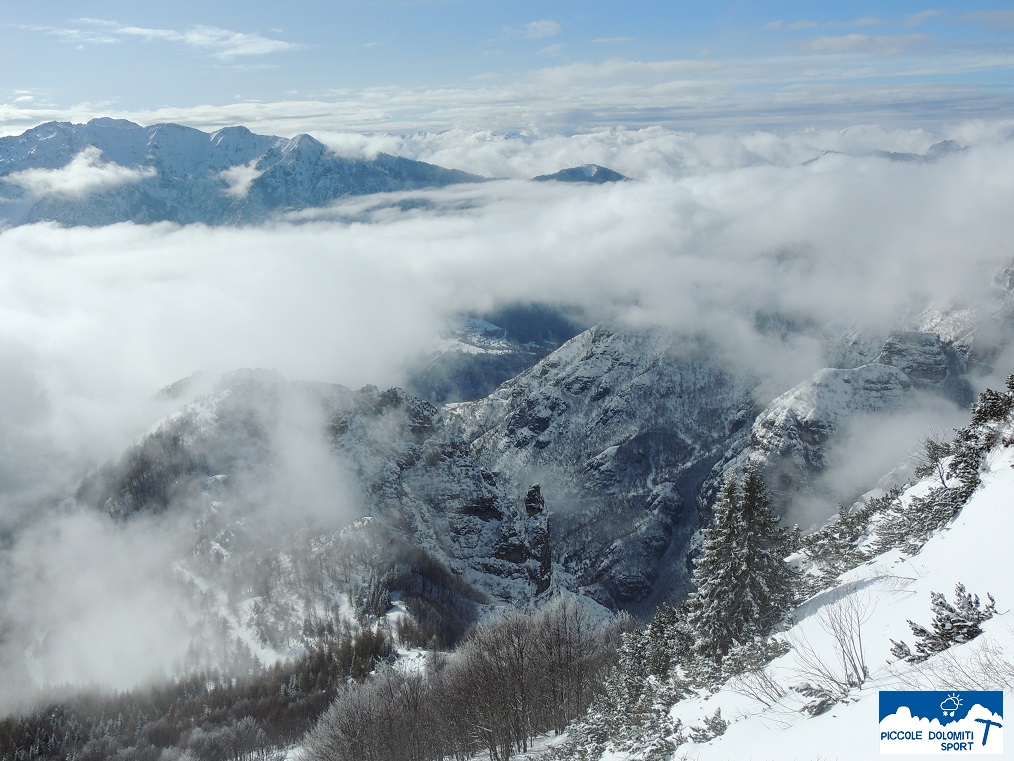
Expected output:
(312, 503)
(112, 170)
(886, 593)
(815, 691)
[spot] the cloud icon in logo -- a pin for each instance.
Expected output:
(951, 704)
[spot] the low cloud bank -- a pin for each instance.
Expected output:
(86, 173)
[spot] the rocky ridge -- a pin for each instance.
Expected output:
(172, 173)
(621, 429)
(270, 459)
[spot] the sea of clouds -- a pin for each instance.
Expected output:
(715, 230)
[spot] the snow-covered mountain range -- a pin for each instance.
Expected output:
(628, 434)
(112, 170)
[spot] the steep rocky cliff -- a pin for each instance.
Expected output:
(621, 429)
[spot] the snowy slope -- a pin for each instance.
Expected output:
(889, 590)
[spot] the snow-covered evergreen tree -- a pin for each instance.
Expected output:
(957, 467)
(953, 624)
(743, 583)
(835, 549)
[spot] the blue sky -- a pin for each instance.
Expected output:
(402, 65)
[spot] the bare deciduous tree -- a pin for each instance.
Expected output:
(827, 681)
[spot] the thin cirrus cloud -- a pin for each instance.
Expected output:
(75, 35)
(85, 173)
(879, 45)
(990, 18)
(792, 26)
(920, 18)
(535, 30)
(815, 87)
(224, 44)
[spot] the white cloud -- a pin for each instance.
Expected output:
(535, 30)
(85, 173)
(881, 45)
(239, 178)
(224, 43)
(920, 18)
(75, 35)
(99, 601)
(706, 237)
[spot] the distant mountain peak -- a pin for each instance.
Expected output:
(592, 173)
(110, 123)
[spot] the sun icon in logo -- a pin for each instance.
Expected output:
(951, 704)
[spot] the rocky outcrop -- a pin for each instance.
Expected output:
(929, 363)
(325, 455)
(620, 428)
(791, 439)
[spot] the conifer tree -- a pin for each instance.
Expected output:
(743, 583)
(953, 624)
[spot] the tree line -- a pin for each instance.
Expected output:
(209, 715)
(512, 679)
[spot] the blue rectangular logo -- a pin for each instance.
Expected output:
(941, 722)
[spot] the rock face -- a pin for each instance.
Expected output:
(426, 482)
(620, 428)
(293, 456)
(790, 439)
(929, 363)
(172, 173)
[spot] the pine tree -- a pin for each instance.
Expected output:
(953, 624)
(835, 548)
(743, 583)
(668, 642)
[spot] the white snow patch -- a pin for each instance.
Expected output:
(890, 590)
